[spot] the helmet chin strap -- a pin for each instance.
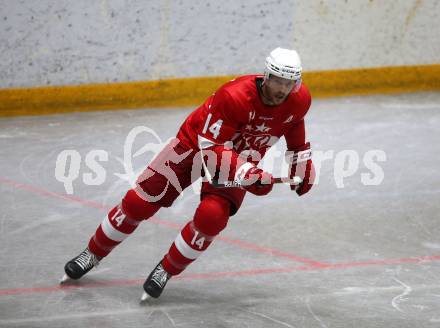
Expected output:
(265, 77)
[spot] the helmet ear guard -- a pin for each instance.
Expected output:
(283, 63)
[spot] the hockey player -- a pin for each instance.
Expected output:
(237, 124)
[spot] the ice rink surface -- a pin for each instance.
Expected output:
(357, 256)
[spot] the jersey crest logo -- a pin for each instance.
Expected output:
(261, 141)
(262, 128)
(255, 142)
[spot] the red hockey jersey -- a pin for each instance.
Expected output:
(236, 113)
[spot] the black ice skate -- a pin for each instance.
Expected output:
(80, 265)
(155, 282)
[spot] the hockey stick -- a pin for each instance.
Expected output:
(232, 184)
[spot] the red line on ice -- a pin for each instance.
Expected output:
(45, 192)
(311, 265)
(219, 275)
(237, 242)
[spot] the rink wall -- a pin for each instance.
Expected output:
(60, 56)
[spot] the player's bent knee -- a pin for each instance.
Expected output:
(137, 208)
(212, 215)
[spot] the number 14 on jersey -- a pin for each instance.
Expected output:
(213, 128)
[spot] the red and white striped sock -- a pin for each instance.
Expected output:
(210, 218)
(120, 222)
(115, 227)
(188, 246)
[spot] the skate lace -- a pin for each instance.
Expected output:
(87, 260)
(160, 276)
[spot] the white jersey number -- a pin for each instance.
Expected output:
(119, 217)
(199, 242)
(214, 128)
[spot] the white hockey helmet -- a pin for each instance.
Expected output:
(283, 63)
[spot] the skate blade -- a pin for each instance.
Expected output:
(64, 279)
(144, 297)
